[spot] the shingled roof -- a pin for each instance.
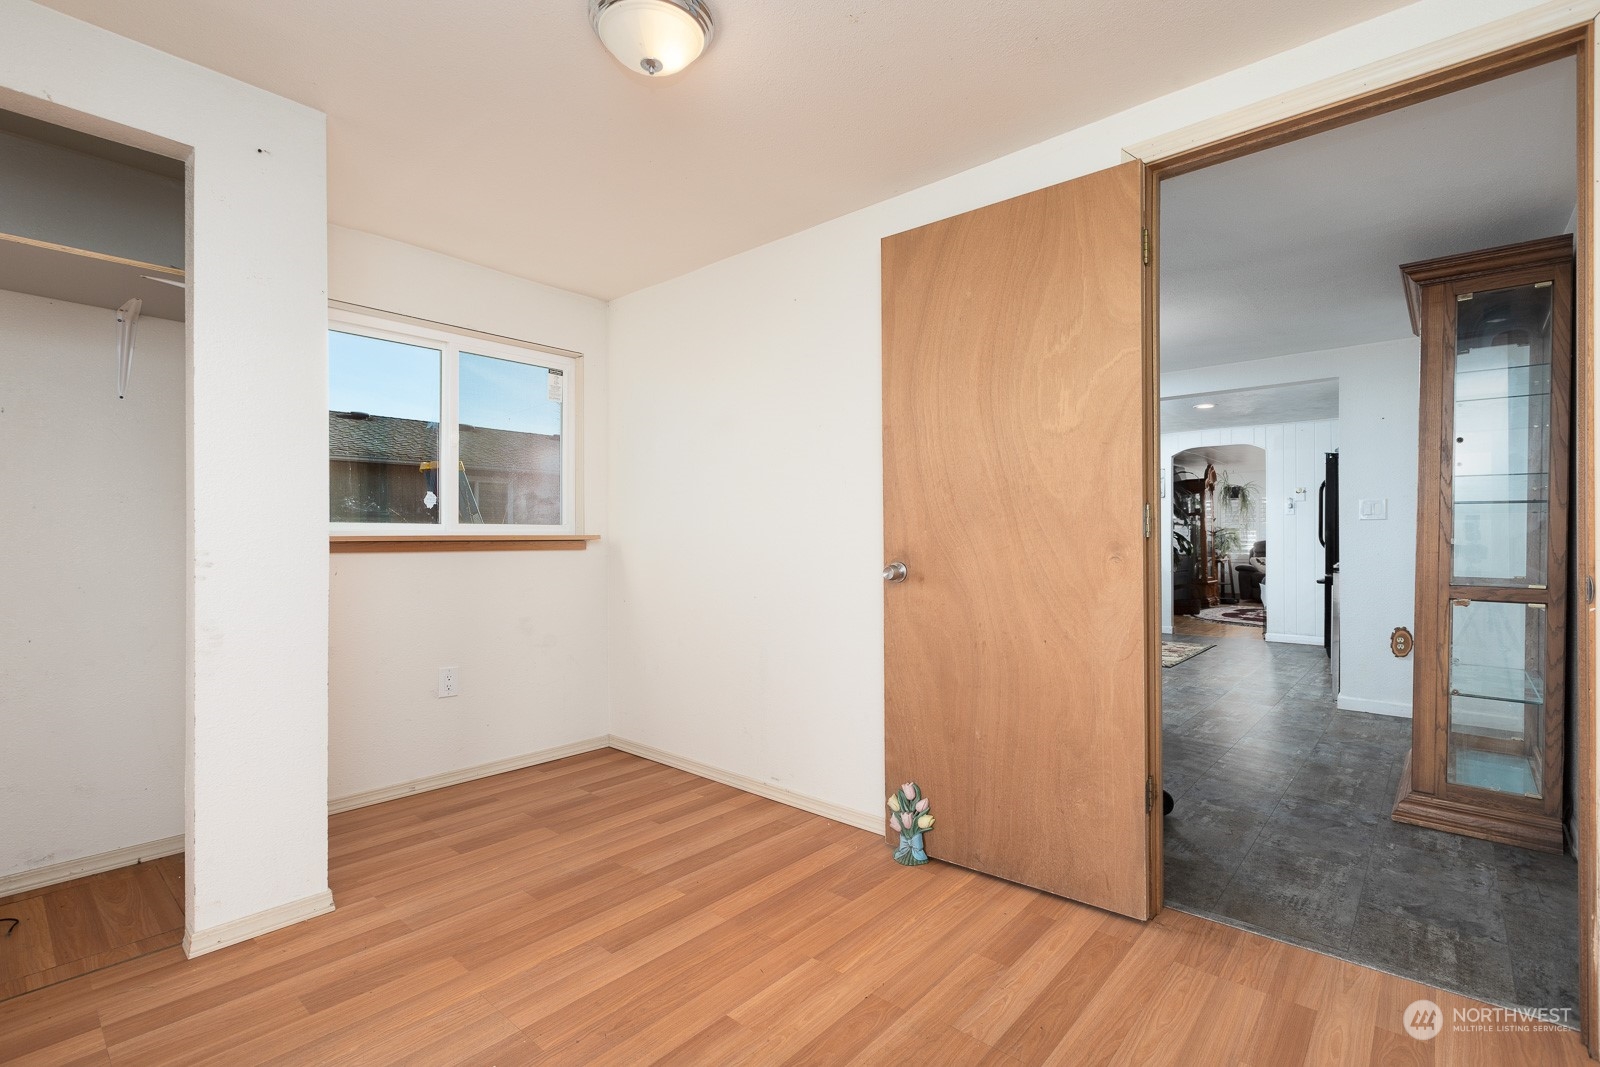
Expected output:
(355, 436)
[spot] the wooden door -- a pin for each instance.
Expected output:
(1016, 461)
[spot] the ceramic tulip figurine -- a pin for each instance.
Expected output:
(909, 817)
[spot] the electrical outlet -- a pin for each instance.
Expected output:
(449, 682)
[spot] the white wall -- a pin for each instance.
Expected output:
(747, 616)
(746, 608)
(50, 193)
(92, 564)
(526, 628)
(1296, 454)
(256, 514)
(1378, 399)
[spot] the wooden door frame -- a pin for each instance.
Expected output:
(1505, 48)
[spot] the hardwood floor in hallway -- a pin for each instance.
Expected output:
(1194, 626)
(607, 910)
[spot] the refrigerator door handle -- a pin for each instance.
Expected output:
(1322, 518)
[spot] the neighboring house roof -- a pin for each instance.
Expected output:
(354, 436)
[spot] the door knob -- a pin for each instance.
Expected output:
(895, 572)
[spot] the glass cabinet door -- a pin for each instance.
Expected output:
(1497, 697)
(1501, 453)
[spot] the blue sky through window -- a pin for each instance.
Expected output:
(382, 377)
(505, 395)
(390, 378)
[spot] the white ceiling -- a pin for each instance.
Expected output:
(1241, 461)
(1296, 402)
(1297, 249)
(502, 133)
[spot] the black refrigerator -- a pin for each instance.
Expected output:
(1328, 536)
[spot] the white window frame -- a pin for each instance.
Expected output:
(450, 345)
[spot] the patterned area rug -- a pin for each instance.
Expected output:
(1175, 652)
(1236, 615)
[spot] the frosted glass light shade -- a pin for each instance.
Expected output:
(653, 37)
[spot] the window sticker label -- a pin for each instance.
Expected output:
(556, 382)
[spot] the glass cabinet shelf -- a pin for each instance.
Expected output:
(1499, 772)
(1502, 382)
(1524, 486)
(1475, 357)
(1496, 683)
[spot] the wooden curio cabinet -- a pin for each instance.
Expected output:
(1489, 711)
(1194, 586)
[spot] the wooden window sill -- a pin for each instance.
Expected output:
(459, 542)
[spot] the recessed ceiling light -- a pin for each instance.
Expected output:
(1204, 407)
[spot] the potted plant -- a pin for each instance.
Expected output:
(1225, 541)
(1238, 497)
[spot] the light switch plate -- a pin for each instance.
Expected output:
(1374, 509)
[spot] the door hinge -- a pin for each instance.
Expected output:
(1147, 520)
(1146, 244)
(1149, 794)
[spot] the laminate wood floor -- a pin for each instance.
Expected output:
(607, 910)
(75, 927)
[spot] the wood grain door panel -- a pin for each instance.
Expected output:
(1014, 490)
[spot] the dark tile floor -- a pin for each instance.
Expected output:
(1282, 825)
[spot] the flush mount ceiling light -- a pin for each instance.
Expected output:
(1204, 407)
(654, 37)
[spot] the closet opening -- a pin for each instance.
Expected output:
(93, 420)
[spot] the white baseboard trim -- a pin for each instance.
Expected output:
(465, 774)
(849, 816)
(1376, 707)
(1293, 639)
(66, 870)
(199, 942)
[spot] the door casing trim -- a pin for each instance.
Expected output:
(1492, 51)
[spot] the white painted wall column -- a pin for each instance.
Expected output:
(257, 653)
(258, 471)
